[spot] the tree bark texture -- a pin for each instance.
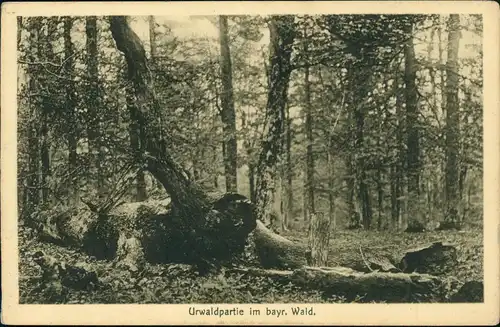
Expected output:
(452, 122)
(71, 111)
(412, 144)
(228, 114)
(94, 115)
(282, 34)
(319, 239)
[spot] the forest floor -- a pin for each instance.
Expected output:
(178, 283)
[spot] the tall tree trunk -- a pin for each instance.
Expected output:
(153, 50)
(134, 130)
(282, 34)
(452, 123)
(309, 180)
(287, 178)
(228, 114)
(71, 111)
(33, 196)
(442, 83)
(400, 184)
(358, 89)
(94, 105)
(351, 198)
(51, 26)
(412, 145)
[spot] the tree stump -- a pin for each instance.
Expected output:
(435, 259)
(319, 236)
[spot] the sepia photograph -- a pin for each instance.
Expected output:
(247, 159)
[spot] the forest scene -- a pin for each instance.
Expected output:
(250, 159)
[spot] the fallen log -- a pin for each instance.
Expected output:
(275, 251)
(153, 231)
(353, 285)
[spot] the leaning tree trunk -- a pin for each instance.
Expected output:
(200, 220)
(282, 34)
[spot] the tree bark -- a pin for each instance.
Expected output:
(452, 123)
(309, 181)
(412, 143)
(71, 111)
(140, 182)
(94, 105)
(358, 88)
(45, 141)
(319, 239)
(33, 196)
(282, 34)
(228, 114)
(287, 176)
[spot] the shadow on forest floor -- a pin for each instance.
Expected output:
(178, 283)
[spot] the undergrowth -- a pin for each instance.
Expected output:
(181, 284)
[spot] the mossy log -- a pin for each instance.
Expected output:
(353, 285)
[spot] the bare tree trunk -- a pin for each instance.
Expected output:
(71, 103)
(287, 204)
(358, 80)
(33, 196)
(282, 34)
(400, 184)
(309, 181)
(452, 124)
(51, 26)
(153, 59)
(94, 105)
(413, 147)
(134, 130)
(228, 114)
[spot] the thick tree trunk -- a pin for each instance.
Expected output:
(358, 89)
(452, 125)
(412, 144)
(228, 114)
(71, 103)
(282, 35)
(94, 115)
(140, 181)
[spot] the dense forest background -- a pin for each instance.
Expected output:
(376, 125)
(376, 133)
